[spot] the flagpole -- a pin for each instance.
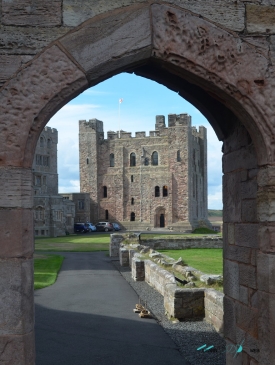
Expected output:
(119, 118)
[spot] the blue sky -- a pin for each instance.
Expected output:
(143, 99)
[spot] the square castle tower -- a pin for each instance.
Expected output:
(146, 182)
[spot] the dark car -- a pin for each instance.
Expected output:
(104, 226)
(81, 227)
(116, 226)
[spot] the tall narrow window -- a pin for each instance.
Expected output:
(87, 161)
(106, 214)
(132, 178)
(41, 142)
(157, 191)
(155, 159)
(104, 191)
(48, 143)
(132, 201)
(165, 191)
(132, 159)
(112, 160)
(178, 156)
(133, 217)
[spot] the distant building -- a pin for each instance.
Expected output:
(53, 215)
(146, 182)
(82, 205)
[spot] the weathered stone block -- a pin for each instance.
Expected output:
(260, 18)
(16, 191)
(237, 253)
(124, 257)
(266, 205)
(247, 318)
(16, 233)
(232, 197)
(249, 189)
(267, 238)
(246, 235)
(16, 300)
(231, 233)
(229, 319)
(26, 12)
(17, 349)
(107, 37)
(248, 276)
(231, 284)
(244, 294)
(266, 272)
(249, 210)
(138, 270)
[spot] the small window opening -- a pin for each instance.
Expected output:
(165, 191)
(132, 178)
(155, 159)
(112, 160)
(156, 191)
(133, 217)
(178, 156)
(104, 191)
(87, 161)
(106, 214)
(132, 201)
(132, 159)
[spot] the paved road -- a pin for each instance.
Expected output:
(87, 318)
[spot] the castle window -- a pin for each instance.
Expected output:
(37, 180)
(133, 217)
(132, 159)
(146, 161)
(165, 191)
(49, 143)
(39, 213)
(104, 191)
(178, 156)
(44, 180)
(87, 161)
(132, 178)
(156, 191)
(81, 204)
(106, 214)
(155, 161)
(41, 142)
(132, 201)
(112, 160)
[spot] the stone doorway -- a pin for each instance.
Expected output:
(228, 76)
(160, 218)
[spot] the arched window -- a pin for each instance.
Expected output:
(112, 160)
(132, 159)
(133, 217)
(157, 191)
(155, 159)
(49, 143)
(87, 161)
(178, 156)
(104, 191)
(165, 191)
(132, 201)
(106, 214)
(132, 178)
(41, 142)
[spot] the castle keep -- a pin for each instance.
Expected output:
(144, 182)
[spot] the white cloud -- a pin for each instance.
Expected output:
(73, 187)
(215, 198)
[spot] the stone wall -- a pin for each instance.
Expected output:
(157, 277)
(183, 243)
(213, 306)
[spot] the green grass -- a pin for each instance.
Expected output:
(46, 268)
(207, 260)
(81, 243)
(204, 230)
(214, 213)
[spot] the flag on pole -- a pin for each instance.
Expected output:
(120, 101)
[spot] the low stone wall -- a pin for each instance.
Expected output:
(158, 277)
(138, 269)
(213, 304)
(184, 303)
(176, 243)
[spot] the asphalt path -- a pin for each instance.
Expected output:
(87, 318)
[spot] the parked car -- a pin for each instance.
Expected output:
(92, 227)
(104, 226)
(116, 226)
(81, 227)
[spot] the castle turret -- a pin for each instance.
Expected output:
(160, 122)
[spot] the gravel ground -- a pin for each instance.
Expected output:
(188, 336)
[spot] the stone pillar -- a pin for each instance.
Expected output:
(241, 247)
(16, 267)
(124, 256)
(138, 270)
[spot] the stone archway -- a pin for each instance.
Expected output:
(229, 79)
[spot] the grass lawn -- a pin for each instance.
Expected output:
(74, 243)
(46, 268)
(207, 260)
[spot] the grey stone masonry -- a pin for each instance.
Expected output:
(158, 277)
(213, 304)
(124, 256)
(176, 243)
(138, 269)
